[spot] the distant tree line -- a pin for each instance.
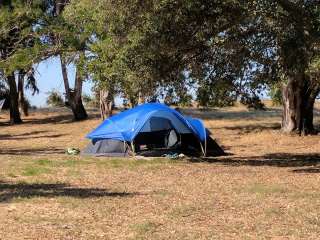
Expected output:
(225, 50)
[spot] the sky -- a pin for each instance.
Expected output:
(49, 77)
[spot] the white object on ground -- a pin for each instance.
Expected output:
(1, 103)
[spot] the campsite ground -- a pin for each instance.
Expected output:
(267, 188)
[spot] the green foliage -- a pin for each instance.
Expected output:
(219, 94)
(90, 101)
(253, 102)
(55, 99)
(21, 32)
(275, 94)
(4, 91)
(227, 50)
(138, 49)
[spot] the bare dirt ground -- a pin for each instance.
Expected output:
(267, 188)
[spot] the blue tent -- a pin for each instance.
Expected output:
(128, 126)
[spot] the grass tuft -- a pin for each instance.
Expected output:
(261, 189)
(35, 171)
(144, 229)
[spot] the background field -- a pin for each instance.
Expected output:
(267, 188)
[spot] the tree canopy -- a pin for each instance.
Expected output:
(221, 50)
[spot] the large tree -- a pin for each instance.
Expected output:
(19, 43)
(71, 44)
(295, 33)
(230, 49)
(141, 47)
(245, 45)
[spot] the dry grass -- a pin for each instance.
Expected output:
(267, 189)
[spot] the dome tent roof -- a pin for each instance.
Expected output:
(126, 125)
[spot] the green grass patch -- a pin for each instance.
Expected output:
(36, 167)
(273, 211)
(161, 193)
(44, 162)
(261, 189)
(34, 170)
(134, 163)
(306, 195)
(44, 166)
(184, 211)
(143, 230)
(12, 175)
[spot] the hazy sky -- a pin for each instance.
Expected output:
(49, 77)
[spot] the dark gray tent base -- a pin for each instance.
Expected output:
(153, 145)
(108, 148)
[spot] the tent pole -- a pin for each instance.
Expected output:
(204, 154)
(124, 146)
(132, 146)
(205, 142)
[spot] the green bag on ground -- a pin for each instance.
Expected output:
(72, 151)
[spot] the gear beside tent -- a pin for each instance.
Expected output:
(151, 129)
(2, 103)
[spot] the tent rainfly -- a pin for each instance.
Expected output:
(151, 129)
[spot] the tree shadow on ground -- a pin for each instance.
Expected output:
(11, 190)
(273, 160)
(229, 115)
(4, 124)
(307, 170)
(254, 128)
(53, 119)
(61, 118)
(31, 151)
(29, 135)
(58, 119)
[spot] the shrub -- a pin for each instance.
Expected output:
(55, 99)
(90, 101)
(276, 95)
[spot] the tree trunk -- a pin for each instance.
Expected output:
(65, 78)
(307, 127)
(74, 98)
(141, 98)
(292, 101)
(106, 103)
(133, 100)
(14, 105)
(22, 103)
(298, 103)
(79, 112)
(59, 6)
(311, 91)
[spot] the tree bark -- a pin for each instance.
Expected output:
(307, 127)
(133, 101)
(298, 103)
(141, 98)
(65, 78)
(59, 6)
(106, 103)
(292, 101)
(14, 105)
(79, 112)
(22, 103)
(74, 98)
(311, 91)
